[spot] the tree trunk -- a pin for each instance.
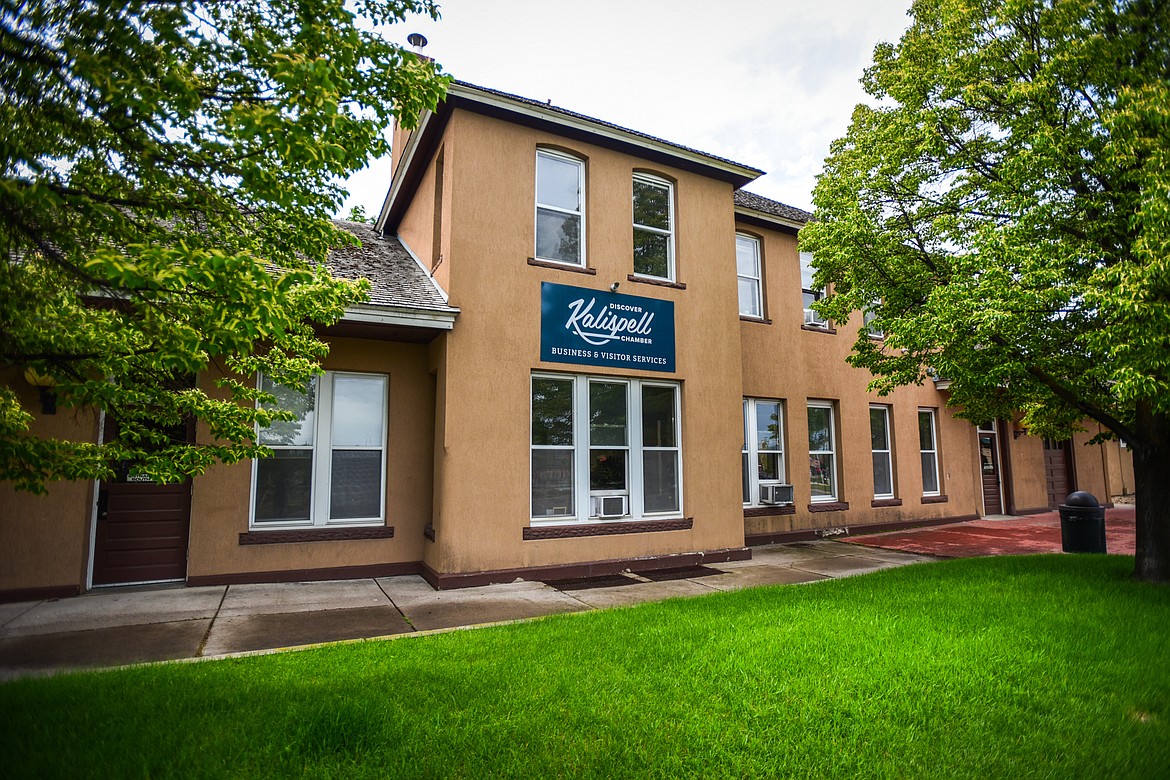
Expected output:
(1151, 468)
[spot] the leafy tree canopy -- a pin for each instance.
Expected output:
(1004, 209)
(169, 168)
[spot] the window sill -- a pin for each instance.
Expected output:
(818, 329)
(829, 506)
(886, 502)
(295, 536)
(760, 320)
(769, 511)
(654, 281)
(934, 499)
(606, 529)
(576, 269)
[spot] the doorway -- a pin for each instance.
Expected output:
(1058, 473)
(142, 527)
(989, 469)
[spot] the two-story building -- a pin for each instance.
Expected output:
(586, 350)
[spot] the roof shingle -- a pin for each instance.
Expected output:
(395, 278)
(750, 200)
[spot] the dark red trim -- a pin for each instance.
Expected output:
(607, 529)
(440, 581)
(1037, 510)
(886, 502)
(39, 594)
(657, 282)
(768, 511)
(295, 536)
(748, 219)
(934, 499)
(814, 329)
(834, 506)
(309, 575)
(784, 537)
(759, 320)
(573, 269)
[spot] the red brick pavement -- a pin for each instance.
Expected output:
(1023, 535)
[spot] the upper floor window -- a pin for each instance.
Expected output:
(328, 466)
(811, 294)
(653, 227)
(560, 199)
(867, 317)
(747, 265)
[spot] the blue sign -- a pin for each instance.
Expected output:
(596, 328)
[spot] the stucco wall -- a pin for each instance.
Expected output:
(783, 360)
(220, 498)
(482, 491)
(44, 539)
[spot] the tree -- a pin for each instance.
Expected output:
(1004, 210)
(169, 168)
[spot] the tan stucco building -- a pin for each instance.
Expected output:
(586, 350)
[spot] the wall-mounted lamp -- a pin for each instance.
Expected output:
(1018, 431)
(44, 385)
(613, 287)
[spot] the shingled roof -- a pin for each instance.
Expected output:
(548, 106)
(396, 280)
(750, 200)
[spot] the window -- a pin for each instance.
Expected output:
(653, 227)
(928, 444)
(560, 197)
(867, 317)
(822, 457)
(747, 263)
(329, 464)
(883, 463)
(604, 448)
(763, 447)
(811, 294)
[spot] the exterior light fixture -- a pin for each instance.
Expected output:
(44, 385)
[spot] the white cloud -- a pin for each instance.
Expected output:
(767, 84)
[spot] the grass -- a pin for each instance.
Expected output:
(1045, 666)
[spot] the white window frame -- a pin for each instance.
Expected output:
(932, 451)
(752, 450)
(656, 181)
(811, 318)
(887, 453)
(537, 206)
(320, 470)
(635, 485)
(832, 452)
(758, 279)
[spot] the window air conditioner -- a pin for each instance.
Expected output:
(610, 506)
(775, 494)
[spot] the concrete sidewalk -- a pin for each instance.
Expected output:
(115, 627)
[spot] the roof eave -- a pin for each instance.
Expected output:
(402, 316)
(764, 219)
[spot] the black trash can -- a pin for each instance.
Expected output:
(1082, 524)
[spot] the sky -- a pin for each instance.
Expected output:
(766, 83)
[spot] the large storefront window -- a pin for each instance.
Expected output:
(604, 448)
(329, 464)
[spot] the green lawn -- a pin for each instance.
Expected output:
(1047, 666)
